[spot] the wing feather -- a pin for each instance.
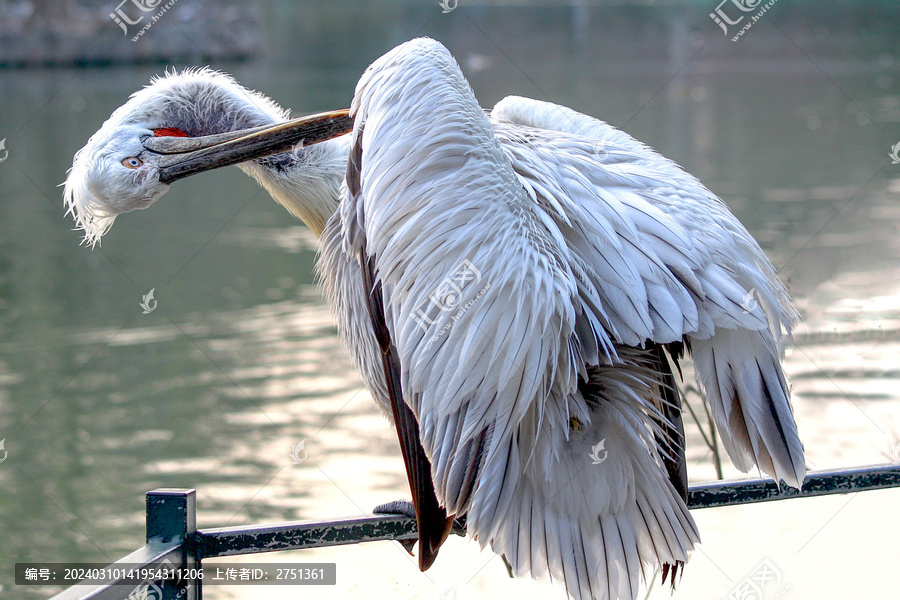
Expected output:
(694, 272)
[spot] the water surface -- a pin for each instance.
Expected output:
(240, 361)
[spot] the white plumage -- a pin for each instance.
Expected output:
(534, 264)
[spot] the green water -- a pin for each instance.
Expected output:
(239, 361)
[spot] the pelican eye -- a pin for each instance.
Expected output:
(132, 162)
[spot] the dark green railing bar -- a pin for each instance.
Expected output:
(818, 483)
(231, 541)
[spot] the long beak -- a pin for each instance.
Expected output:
(187, 156)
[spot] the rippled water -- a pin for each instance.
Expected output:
(240, 361)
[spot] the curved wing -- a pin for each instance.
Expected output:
(360, 316)
(504, 355)
(667, 261)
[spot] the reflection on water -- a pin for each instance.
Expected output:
(240, 362)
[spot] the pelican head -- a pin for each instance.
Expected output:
(182, 124)
(111, 175)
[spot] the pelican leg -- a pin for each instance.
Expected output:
(408, 509)
(399, 507)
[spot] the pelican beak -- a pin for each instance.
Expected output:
(184, 156)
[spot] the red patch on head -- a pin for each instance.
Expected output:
(169, 132)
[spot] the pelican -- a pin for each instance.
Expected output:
(517, 289)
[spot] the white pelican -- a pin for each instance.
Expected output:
(514, 299)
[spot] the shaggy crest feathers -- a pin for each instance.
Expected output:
(198, 101)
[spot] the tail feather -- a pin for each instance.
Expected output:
(597, 525)
(747, 392)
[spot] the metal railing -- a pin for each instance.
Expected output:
(173, 537)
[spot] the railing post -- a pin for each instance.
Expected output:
(172, 515)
